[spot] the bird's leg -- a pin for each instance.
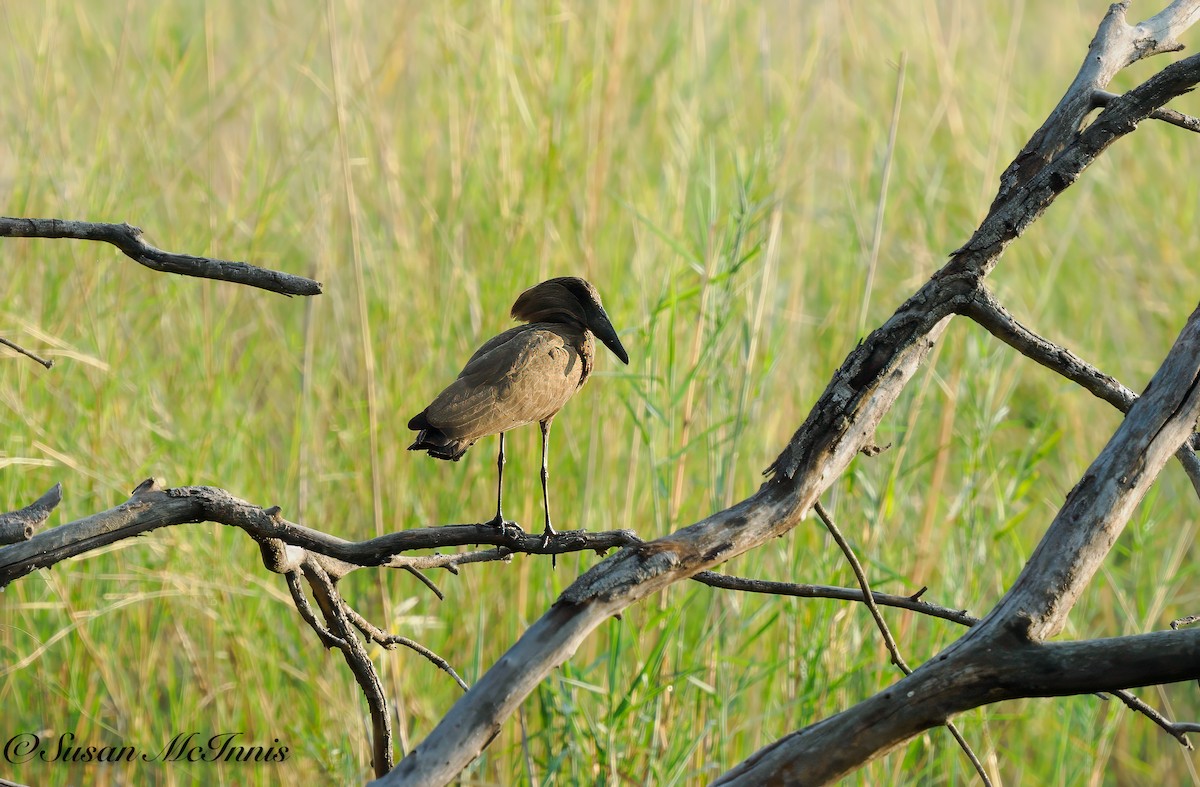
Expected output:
(499, 519)
(550, 531)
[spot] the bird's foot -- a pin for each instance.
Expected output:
(547, 534)
(503, 525)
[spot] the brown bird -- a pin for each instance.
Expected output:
(525, 374)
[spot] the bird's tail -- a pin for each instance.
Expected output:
(432, 439)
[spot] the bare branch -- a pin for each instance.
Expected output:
(940, 688)
(449, 562)
(1116, 45)
(327, 637)
(427, 582)
(1178, 730)
(129, 240)
(390, 641)
(47, 362)
(861, 576)
(988, 312)
(335, 612)
(152, 506)
(1097, 508)
(294, 551)
(911, 603)
(991, 314)
(1007, 655)
(1101, 98)
(888, 640)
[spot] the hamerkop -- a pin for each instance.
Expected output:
(525, 374)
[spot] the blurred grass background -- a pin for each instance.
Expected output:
(718, 171)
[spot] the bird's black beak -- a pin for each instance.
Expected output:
(600, 325)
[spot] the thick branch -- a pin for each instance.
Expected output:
(1003, 656)
(937, 690)
(129, 240)
(1097, 508)
(1117, 44)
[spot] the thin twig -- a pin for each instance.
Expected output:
(989, 313)
(449, 562)
(1100, 98)
(426, 581)
(911, 603)
(1176, 729)
(18, 348)
(897, 659)
(868, 597)
(390, 641)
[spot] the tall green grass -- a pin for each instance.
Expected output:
(716, 170)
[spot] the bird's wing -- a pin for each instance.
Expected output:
(498, 340)
(523, 375)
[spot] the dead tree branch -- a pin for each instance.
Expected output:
(843, 421)
(129, 240)
(1003, 656)
(991, 314)
(1117, 45)
(1101, 98)
(47, 362)
(978, 668)
(911, 603)
(152, 506)
(888, 640)
(295, 552)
